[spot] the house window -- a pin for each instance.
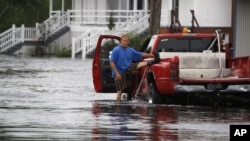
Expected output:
(140, 4)
(131, 3)
(112, 4)
(149, 4)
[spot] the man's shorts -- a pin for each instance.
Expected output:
(126, 78)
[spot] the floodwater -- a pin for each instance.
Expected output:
(54, 99)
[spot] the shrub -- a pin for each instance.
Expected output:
(64, 53)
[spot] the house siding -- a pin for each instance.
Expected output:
(209, 13)
(242, 28)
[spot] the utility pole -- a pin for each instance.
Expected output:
(155, 17)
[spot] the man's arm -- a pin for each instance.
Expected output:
(113, 67)
(146, 55)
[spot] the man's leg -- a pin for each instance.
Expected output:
(141, 64)
(153, 61)
(121, 84)
(118, 96)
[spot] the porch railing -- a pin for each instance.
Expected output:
(101, 17)
(14, 36)
(86, 42)
(18, 35)
(124, 21)
(53, 24)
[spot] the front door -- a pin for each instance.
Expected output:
(101, 71)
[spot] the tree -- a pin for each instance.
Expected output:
(111, 23)
(155, 17)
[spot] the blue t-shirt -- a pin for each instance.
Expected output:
(123, 57)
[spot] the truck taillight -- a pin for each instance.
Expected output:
(174, 72)
(174, 69)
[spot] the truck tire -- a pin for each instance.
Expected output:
(153, 96)
(126, 96)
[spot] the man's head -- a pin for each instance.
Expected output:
(124, 40)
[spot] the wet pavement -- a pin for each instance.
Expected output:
(54, 99)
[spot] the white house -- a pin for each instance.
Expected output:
(87, 19)
(132, 15)
(209, 13)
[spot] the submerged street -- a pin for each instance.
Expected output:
(54, 99)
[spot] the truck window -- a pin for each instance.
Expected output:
(107, 45)
(201, 44)
(184, 44)
(150, 45)
(173, 45)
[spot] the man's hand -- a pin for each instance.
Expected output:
(118, 76)
(151, 55)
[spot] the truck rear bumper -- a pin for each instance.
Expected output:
(201, 89)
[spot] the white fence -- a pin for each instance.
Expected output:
(101, 17)
(127, 21)
(52, 25)
(17, 35)
(87, 41)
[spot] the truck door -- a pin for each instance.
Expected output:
(101, 71)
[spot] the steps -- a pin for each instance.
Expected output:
(86, 42)
(56, 35)
(13, 49)
(12, 39)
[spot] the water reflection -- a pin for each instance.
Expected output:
(134, 122)
(140, 121)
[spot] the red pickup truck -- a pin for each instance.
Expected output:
(195, 68)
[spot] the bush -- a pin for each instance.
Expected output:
(136, 40)
(64, 53)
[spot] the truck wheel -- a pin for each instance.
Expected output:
(126, 96)
(153, 96)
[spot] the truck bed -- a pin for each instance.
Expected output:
(206, 64)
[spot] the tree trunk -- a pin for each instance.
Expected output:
(155, 17)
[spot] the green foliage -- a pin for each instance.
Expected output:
(111, 24)
(107, 46)
(64, 53)
(136, 40)
(27, 12)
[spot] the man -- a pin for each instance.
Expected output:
(121, 64)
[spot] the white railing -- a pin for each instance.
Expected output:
(80, 41)
(120, 18)
(135, 21)
(101, 17)
(141, 25)
(86, 42)
(11, 37)
(52, 25)
(17, 35)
